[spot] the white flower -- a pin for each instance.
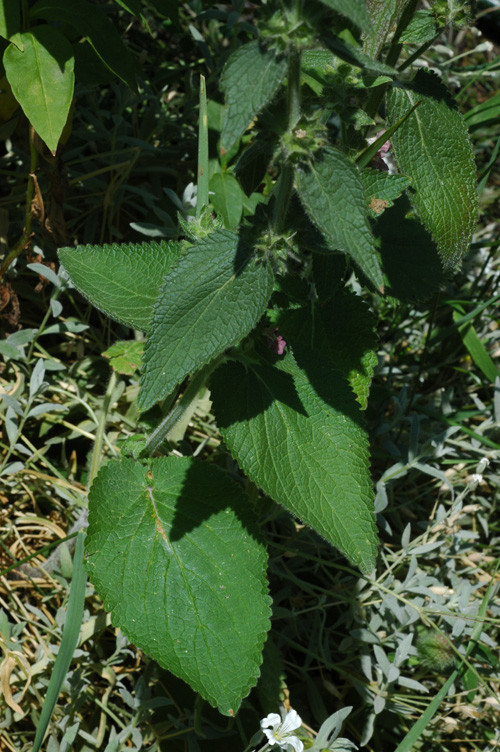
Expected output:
(280, 731)
(477, 478)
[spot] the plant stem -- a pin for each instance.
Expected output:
(175, 415)
(284, 186)
(202, 188)
(99, 436)
(26, 235)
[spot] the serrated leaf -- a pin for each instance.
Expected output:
(250, 79)
(96, 27)
(421, 29)
(227, 199)
(174, 554)
(410, 257)
(121, 280)
(432, 147)
(208, 302)
(125, 357)
(303, 445)
(341, 331)
(332, 193)
(382, 189)
(354, 10)
(384, 16)
(42, 80)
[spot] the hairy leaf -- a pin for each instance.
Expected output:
(432, 147)
(341, 331)
(93, 24)
(121, 280)
(250, 79)
(299, 437)
(332, 193)
(176, 558)
(384, 16)
(209, 301)
(354, 10)
(382, 189)
(42, 80)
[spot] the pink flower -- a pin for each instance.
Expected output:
(275, 342)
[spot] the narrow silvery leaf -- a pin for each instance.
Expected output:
(250, 80)
(333, 195)
(433, 148)
(211, 299)
(36, 380)
(181, 567)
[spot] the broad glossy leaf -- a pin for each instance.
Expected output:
(332, 193)
(354, 10)
(250, 79)
(299, 437)
(227, 198)
(10, 22)
(208, 302)
(433, 148)
(121, 280)
(342, 332)
(42, 80)
(93, 24)
(175, 555)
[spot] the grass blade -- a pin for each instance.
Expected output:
(69, 641)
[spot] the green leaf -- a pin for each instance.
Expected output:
(299, 438)
(476, 349)
(250, 80)
(354, 10)
(484, 112)
(382, 189)
(209, 301)
(42, 80)
(96, 27)
(421, 29)
(432, 147)
(10, 22)
(342, 332)
(355, 56)
(332, 193)
(125, 357)
(179, 564)
(121, 280)
(227, 198)
(417, 272)
(384, 16)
